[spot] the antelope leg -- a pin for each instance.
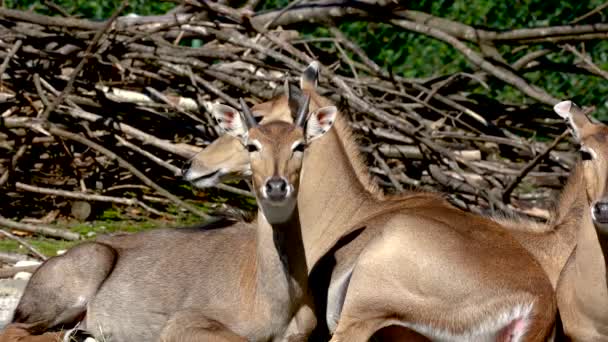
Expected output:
(59, 290)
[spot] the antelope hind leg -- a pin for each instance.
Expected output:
(58, 292)
(193, 326)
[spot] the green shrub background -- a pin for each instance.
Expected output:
(415, 55)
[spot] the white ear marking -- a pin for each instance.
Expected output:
(320, 121)
(576, 119)
(563, 109)
(229, 120)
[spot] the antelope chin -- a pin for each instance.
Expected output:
(278, 211)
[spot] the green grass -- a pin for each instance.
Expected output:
(130, 219)
(46, 246)
(110, 221)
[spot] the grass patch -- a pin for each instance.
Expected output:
(110, 221)
(48, 247)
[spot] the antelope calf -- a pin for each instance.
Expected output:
(412, 260)
(246, 282)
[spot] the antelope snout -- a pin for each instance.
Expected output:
(202, 177)
(276, 189)
(599, 213)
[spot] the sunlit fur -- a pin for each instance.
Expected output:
(342, 193)
(276, 158)
(582, 291)
(203, 170)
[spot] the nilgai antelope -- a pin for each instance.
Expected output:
(417, 262)
(247, 282)
(582, 291)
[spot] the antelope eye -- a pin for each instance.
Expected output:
(252, 148)
(585, 154)
(299, 147)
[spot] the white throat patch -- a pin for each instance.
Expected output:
(275, 214)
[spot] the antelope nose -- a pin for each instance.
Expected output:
(600, 212)
(186, 167)
(276, 188)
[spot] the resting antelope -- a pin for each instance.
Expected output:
(419, 263)
(583, 306)
(582, 291)
(241, 283)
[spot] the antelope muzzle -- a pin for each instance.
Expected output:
(277, 189)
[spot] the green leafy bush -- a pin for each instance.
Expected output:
(414, 55)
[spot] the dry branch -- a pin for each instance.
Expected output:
(23, 243)
(72, 136)
(140, 107)
(39, 229)
(12, 258)
(9, 272)
(87, 197)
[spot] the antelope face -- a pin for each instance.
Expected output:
(226, 158)
(276, 152)
(593, 140)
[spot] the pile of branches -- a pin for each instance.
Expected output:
(98, 112)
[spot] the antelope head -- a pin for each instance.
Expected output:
(224, 159)
(227, 158)
(276, 151)
(593, 140)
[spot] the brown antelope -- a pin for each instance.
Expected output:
(241, 283)
(582, 291)
(419, 263)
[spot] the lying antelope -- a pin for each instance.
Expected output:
(582, 299)
(240, 283)
(582, 291)
(419, 263)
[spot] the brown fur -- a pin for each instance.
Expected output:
(337, 197)
(342, 129)
(582, 290)
(160, 285)
(275, 159)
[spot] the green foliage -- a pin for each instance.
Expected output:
(111, 221)
(95, 9)
(414, 55)
(417, 56)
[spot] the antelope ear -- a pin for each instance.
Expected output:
(310, 76)
(575, 117)
(295, 98)
(230, 120)
(320, 121)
